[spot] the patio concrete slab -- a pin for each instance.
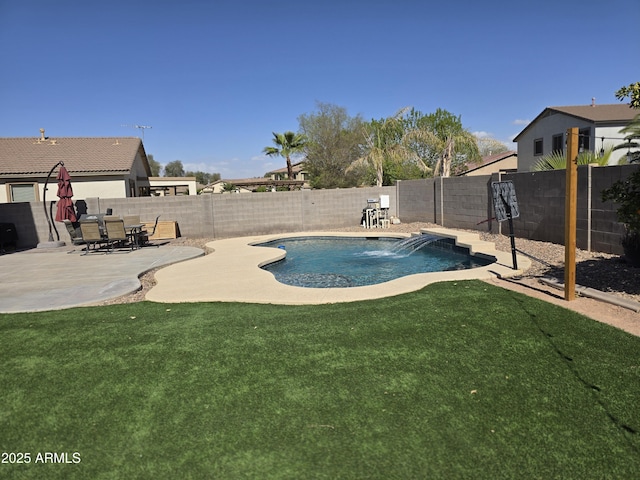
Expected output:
(56, 278)
(231, 273)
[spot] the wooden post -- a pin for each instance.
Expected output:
(570, 206)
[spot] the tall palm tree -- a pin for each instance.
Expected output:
(287, 144)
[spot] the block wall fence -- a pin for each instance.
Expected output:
(453, 202)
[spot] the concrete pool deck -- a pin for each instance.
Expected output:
(57, 278)
(232, 273)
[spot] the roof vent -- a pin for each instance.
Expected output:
(593, 101)
(42, 137)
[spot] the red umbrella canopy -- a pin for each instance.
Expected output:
(65, 192)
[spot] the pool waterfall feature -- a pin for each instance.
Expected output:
(415, 243)
(343, 262)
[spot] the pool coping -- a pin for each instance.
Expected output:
(232, 273)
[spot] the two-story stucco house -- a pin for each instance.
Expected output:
(599, 129)
(299, 174)
(99, 167)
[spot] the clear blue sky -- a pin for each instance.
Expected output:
(214, 78)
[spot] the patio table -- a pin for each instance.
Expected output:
(134, 232)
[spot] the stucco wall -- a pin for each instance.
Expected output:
(612, 137)
(546, 128)
(510, 163)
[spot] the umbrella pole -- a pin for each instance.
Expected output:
(44, 198)
(55, 229)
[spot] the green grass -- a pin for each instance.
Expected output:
(458, 380)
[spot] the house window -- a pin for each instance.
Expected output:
(23, 192)
(537, 146)
(557, 143)
(584, 134)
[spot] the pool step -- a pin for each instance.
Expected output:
(463, 239)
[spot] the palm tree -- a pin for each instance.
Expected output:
(449, 142)
(378, 148)
(386, 143)
(631, 140)
(558, 160)
(441, 137)
(288, 143)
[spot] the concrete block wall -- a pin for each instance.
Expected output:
(30, 222)
(457, 202)
(606, 231)
(341, 207)
(541, 198)
(466, 202)
(255, 214)
(193, 213)
(416, 201)
(541, 203)
(214, 216)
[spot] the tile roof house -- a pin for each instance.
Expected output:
(271, 181)
(500, 162)
(599, 128)
(99, 167)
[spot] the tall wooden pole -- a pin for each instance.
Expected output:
(570, 216)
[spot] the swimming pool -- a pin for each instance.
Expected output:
(342, 262)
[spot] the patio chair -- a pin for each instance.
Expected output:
(116, 233)
(74, 233)
(131, 220)
(144, 235)
(91, 234)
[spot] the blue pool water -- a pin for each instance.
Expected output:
(329, 262)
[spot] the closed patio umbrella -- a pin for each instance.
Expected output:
(65, 209)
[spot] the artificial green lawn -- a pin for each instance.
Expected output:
(458, 380)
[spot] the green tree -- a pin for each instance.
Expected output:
(154, 166)
(445, 144)
(287, 144)
(626, 193)
(333, 141)
(203, 178)
(490, 146)
(631, 141)
(387, 147)
(631, 91)
(174, 169)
